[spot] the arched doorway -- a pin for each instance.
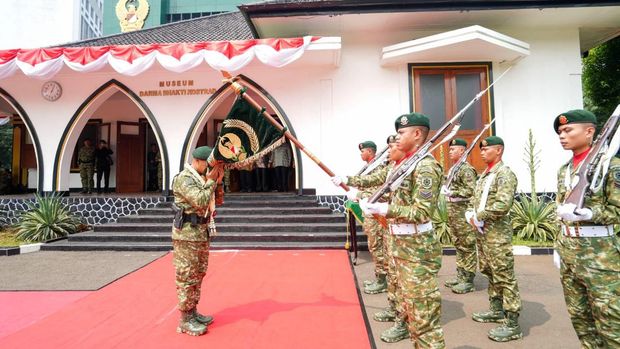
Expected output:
(116, 115)
(21, 168)
(205, 127)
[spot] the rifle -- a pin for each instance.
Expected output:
(457, 166)
(378, 160)
(401, 172)
(591, 174)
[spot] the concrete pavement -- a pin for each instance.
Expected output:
(544, 319)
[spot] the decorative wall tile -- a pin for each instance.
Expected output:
(94, 210)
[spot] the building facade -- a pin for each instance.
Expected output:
(43, 23)
(355, 71)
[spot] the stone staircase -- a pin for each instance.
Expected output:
(245, 221)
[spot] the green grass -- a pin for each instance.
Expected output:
(530, 243)
(8, 239)
(521, 242)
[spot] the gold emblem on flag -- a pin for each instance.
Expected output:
(131, 14)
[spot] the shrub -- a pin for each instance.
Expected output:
(46, 219)
(440, 221)
(534, 220)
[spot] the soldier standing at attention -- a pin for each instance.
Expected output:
(588, 244)
(394, 311)
(194, 200)
(416, 250)
(463, 235)
(488, 212)
(372, 228)
(86, 161)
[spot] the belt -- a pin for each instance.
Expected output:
(456, 199)
(589, 231)
(410, 229)
(195, 219)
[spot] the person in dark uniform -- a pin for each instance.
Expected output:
(152, 163)
(103, 161)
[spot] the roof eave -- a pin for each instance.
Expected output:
(380, 6)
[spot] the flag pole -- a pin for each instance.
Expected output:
(240, 91)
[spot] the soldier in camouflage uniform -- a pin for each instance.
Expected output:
(463, 235)
(416, 250)
(589, 244)
(373, 229)
(488, 212)
(394, 311)
(193, 226)
(86, 161)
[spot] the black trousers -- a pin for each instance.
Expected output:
(153, 183)
(246, 180)
(104, 173)
(261, 179)
(282, 174)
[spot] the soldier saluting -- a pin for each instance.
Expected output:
(489, 212)
(588, 243)
(194, 197)
(463, 235)
(417, 252)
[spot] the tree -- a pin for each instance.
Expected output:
(601, 79)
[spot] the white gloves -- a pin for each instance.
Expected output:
(352, 194)
(445, 191)
(337, 180)
(378, 208)
(570, 212)
(470, 216)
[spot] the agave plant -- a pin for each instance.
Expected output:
(440, 221)
(534, 220)
(46, 219)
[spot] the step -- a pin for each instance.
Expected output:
(247, 211)
(267, 197)
(228, 218)
(65, 245)
(227, 227)
(221, 237)
(270, 203)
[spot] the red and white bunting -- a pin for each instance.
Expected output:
(132, 60)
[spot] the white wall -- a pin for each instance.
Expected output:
(333, 108)
(38, 23)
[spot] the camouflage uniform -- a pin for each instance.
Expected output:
(191, 243)
(418, 257)
(590, 267)
(86, 161)
(495, 244)
(373, 229)
(462, 233)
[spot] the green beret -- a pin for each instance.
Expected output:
(412, 119)
(391, 139)
(577, 116)
(368, 144)
(458, 141)
(492, 140)
(202, 153)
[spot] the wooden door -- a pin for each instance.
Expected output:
(129, 157)
(441, 92)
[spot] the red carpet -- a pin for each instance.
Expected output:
(22, 309)
(260, 299)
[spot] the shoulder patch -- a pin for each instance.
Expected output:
(426, 183)
(615, 172)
